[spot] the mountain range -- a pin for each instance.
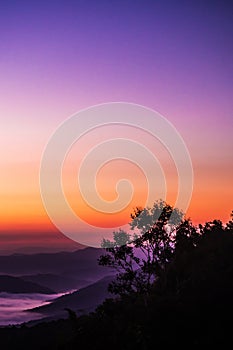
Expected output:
(82, 301)
(12, 284)
(59, 271)
(77, 274)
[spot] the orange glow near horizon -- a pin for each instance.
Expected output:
(22, 209)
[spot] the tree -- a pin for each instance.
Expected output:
(142, 257)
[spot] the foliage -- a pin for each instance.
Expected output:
(142, 257)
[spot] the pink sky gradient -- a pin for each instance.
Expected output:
(56, 59)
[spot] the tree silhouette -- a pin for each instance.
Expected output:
(142, 257)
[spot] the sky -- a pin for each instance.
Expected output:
(59, 57)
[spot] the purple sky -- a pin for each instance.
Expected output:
(57, 57)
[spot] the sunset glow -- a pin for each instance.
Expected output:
(59, 59)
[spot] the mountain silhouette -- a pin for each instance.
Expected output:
(12, 284)
(82, 301)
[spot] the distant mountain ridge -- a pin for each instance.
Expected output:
(56, 282)
(53, 273)
(66, 263)
(12, 284)
(61, 272)
(82, 301)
